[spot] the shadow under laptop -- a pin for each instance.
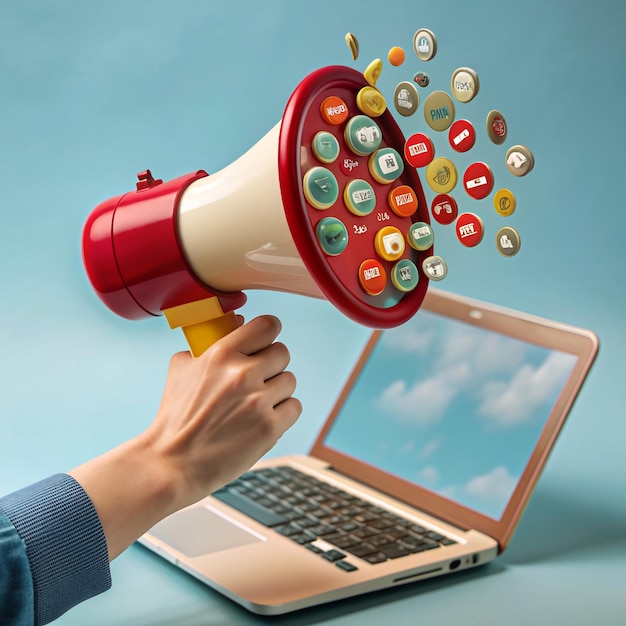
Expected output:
(561, 525)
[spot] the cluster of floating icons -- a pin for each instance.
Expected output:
(441, 174)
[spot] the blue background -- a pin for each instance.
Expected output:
(93, 93)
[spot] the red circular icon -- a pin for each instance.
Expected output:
(444, 209)
(469, 229)
(462, 135)
(478, 180)
(498, 125)
(419, 150)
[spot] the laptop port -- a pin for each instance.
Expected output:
(454, 564)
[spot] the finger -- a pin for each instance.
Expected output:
(252, 337)
(280, 388)
(272, 360)
(287, 413)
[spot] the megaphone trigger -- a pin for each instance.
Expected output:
(203, 322)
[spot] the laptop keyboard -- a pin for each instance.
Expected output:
(325, 519)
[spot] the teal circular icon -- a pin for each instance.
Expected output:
(404, 275)
(420, 236)
(363, 135)
(332, 235)
(386, 165)
(320, 188)
(359, 197)
(325, 147)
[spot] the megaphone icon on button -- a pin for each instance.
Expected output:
(188, 248)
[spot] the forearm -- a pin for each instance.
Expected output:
(131, 490)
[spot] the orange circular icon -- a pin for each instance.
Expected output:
(372, 277)
(403, 201)
(334, 110)
(396, 56)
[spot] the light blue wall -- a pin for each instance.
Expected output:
(94, 92)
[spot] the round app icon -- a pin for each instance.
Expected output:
(420, 236)
(519, 160)
(508, 241)
(504, 202)
(439, 110)
(496, 127)
(424, 44)
(464, 84)
(372, 277)
(403, 200)
(406, 99)
(462, 135)
(332, 235)
(435, 267)
(469, 229)
(478, 180)
(444, 209)
(404, 275)
(419, 150)
(441, 175)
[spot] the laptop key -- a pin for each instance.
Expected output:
(395, 550)
(333, 555)
(346, 566)
(250, 508)
(377, 557)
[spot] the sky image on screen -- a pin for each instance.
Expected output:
(451, 407)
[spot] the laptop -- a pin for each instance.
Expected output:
(423, 467)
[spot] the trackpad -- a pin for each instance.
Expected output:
(199, 531)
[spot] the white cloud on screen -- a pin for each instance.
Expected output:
(431, 447)
(409, 341)
(515, 401)
(425, 402)
(429, 474)
(460, 360)
(497, 485)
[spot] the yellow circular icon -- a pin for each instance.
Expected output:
(372, 72)
(389, 243)
(504, 202)
(441, 175)
(371, 102)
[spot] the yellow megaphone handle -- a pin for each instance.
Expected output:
(203, 322)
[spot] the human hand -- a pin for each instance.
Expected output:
(223, 410)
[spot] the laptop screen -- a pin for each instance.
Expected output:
(451, 406)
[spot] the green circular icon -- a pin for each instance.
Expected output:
(363, 135)
(359, 197)
(325, 147)
(404, 275)
(420, 236)
(320, 188)
(332, 235)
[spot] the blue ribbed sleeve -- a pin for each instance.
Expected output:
(16, 585)
(65, 544)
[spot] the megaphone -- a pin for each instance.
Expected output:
(324, 206)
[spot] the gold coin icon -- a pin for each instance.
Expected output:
(372, 72)
(371, 102)
(353, 44)
(441, 175)
(504, 202)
